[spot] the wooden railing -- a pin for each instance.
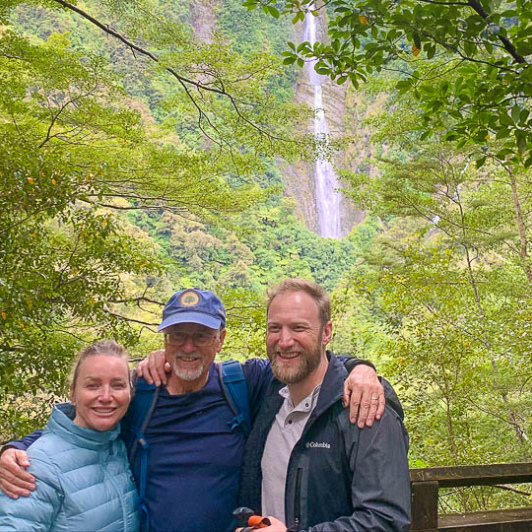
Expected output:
(426, 483)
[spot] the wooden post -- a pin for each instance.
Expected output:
(425, 506)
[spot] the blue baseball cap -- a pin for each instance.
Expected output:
(194, 306)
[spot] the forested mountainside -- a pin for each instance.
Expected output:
(147, 146)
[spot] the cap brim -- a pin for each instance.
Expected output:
(191, 317)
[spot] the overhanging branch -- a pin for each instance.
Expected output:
(184, 81)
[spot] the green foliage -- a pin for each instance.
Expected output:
(260, 247)
(252, 34)
(118, 190)
(441, 298)
(455, 343)
(485, 46)
(78, 152)
(62, 256)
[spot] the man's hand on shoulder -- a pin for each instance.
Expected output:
(154, 368)
(15, 481)
(364, 394)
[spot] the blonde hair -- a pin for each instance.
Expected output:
(103, 347)
(315, 291)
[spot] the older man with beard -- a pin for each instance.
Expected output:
(306, 467)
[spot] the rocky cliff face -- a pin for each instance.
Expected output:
(203, 14)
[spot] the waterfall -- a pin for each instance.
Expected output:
(327, 198)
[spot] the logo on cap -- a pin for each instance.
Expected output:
(189, 298)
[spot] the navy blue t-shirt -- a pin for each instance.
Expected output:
(195, 458)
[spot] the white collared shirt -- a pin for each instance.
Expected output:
(284, 433)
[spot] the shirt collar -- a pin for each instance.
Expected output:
(307, 404)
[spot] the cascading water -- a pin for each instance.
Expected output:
(327, 198)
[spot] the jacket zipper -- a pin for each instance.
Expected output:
(297, 501)
(120, 494)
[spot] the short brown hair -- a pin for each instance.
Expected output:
(315, 291)
(103, 347)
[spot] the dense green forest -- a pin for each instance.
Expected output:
(141, 145)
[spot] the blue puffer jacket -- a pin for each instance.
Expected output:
(83, 482)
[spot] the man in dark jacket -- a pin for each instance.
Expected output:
(306, 466)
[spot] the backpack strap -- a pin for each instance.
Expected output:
(235, 390)
(144, 404)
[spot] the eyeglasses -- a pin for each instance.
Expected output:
(177, 339)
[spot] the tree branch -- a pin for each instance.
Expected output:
(138, 300)
(513, 490)
(132, 320)
(182, 79)
(464, 4)
(510, 48)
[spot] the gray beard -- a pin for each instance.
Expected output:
(188, 375)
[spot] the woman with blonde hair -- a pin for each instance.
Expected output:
(80, 464)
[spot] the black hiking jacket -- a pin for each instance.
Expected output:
(340, 477)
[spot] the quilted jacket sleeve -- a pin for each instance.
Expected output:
(38, 511)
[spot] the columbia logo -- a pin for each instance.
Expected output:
(319, 445)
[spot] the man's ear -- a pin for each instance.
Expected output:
(221, 340)
(327, 333)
